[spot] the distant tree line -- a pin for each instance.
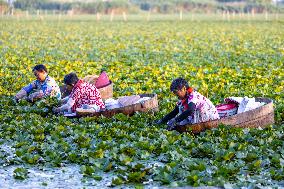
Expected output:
(158, 6)
(41, 4)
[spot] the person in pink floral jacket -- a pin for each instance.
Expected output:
(192, 107)
(82, 93)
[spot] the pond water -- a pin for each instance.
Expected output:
(39, 177)
(68, 176)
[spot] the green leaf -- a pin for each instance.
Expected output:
(20, 173)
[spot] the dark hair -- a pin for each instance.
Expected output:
(40, 68)
(71, 79)
(178, 84)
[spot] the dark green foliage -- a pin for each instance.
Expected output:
(219, 59)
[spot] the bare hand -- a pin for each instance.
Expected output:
(171, 124)
(55, 110)
(158, 122)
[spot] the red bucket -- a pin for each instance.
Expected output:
(226, 110)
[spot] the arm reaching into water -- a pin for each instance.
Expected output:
(65, 107)
(188, 112)
(25, 91)
(169, 116)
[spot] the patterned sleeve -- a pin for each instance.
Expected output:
(47, 91)
(76, 94)
(48, 88)
(30, 87)
(99, 100)
(191, 98)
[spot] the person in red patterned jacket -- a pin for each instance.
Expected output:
(191, 108)
(82, 94)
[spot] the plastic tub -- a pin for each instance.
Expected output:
(226, 110)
